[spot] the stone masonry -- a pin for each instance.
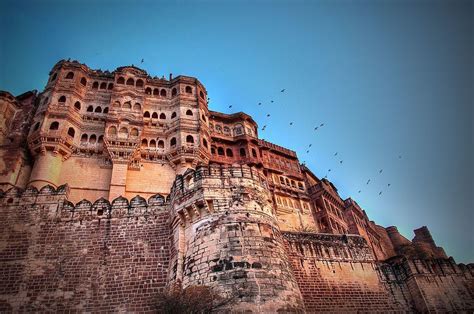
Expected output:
(116, 185)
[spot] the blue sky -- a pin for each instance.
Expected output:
(387, 78)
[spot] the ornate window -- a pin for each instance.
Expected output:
(54, 126)
(162, 116)
(163, 93)
(161, 144)
(156, 92)
(130, 81)
(77, 105)
(188, 90)
(139, 83)
(173, 115)
(154, 115)
(242, 152)
(189, 112)
(83, 81)
(95, 85)
(174, 92)
(62, 99)
(121, 80)
(229, 152)
(146, 114)
(70, 76)
(71, 132)
(148, 91)
(173, 142)
(189, 139)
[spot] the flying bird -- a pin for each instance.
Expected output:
(307, 151)
(340, 162)
(329, 170)
(368, 181)
(399, 156)
(142, 60)
(359, 191)
(380, 193)
(259, 103)
(335, 154)
(271, 101)
(282, 91)
(321, 125)
(230, 106)
(316, 128)
(268, 114)
(389, 185)
(310, 145)
(291, 123)
(380, 171)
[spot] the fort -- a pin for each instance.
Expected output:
(115, 185)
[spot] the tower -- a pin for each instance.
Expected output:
(225, 235)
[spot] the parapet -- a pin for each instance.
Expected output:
(84, 209)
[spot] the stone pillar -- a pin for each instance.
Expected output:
(118, 180)
(46, 170)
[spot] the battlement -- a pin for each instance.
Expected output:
(56, 201)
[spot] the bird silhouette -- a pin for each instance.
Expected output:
(359, 191)
(340, 162)
(316, 128)
(380, 171)
(310, 145)
(329, 170)
(230, 106)
(389, 185)
(268, 114)
(307, 151)
(291, 123)
(335, 154)
(380, 193)
(271, 101)
(142, 60)
(321, 125)
(399, 156)
(368, 181)
(259, 103)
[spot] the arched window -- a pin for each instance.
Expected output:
(70, 75)
(130, 81)
(144, 142)
(137, 106)
(62, 99)
(188, 90)
(120, 80)
(54, 76)
(203, 117)
(36, 127)
(95, 85)
(106, 110)
(213, 150)
(254, 153)
(173, 142)
(134, 132)
(112, 131)
(139, 83)
(242, 152)
(103, 85)
(148, 91)
(116, 104)
(54, 126)
(83, 81)
(204, 142)
(111, 86)
(123, 131)
(161, 144)
(101, 139)
(154, 115)
(98, 109)
(92, 139)
(77, 105)
(174, 92)
(163, 93)
(153, 143)
(220, 151)
(71, 132)
(189, 112)
(146, 114)
(201, 94)
(189, 139)
(90, 109)
(156, 91)
(173, 115)
(162, 116)
(84, 138)
(127, 105)
(229, 152)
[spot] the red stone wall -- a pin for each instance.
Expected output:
(56, 259)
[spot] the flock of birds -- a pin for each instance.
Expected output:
(336, 155)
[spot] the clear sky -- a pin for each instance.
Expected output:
(387, 78)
